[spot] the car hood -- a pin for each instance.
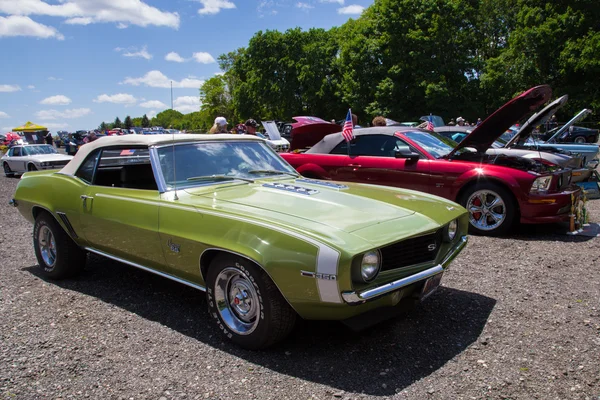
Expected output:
(503, 118)
(318, 208)
(581, 115)
(536, 119)
(51, 157)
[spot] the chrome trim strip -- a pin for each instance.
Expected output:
(158, 176)
(162, 274)
(354, 298)
(67, 223)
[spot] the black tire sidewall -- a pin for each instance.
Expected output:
(41, 222)
(260, 335)
(509, 204)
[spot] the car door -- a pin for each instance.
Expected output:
(383, 160)
(16, 162)
(119, 209)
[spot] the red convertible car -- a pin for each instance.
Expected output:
(498, 190)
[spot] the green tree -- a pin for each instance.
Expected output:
(145, 121)
(103, 127)
(117, 123)
(127, 123)
(137, 122)
(166, 118)
(215, 98)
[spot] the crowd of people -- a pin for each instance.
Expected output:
(220, 126)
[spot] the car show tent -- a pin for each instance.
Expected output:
(33, 133)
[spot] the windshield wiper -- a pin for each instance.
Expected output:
(272, 172)
(219, 178)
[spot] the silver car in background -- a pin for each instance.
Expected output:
(32, 157)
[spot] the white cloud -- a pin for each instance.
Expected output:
(9, 88)
(4, 115)
(55, 125)
(119, 98)
(220, 73)
(134, 52)
(51, 78)
(158, 79)
(304, 6)
(151, 114)
(16, 25)
(203, 58)
(187, 104)
(340, 2)
(154, 104)
(67, 114)
(172, 56)
(353, 9)
(58, 100)
(215, 6)
(83, 12)
(31, 87)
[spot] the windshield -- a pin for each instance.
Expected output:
(36, 150)
(436, 145)
(201, 163)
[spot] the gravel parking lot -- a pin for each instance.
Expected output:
(517, 318)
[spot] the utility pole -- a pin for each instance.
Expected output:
(171, 95)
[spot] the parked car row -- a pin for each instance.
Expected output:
(348, 230)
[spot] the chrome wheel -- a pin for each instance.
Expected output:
(237, 301)
(487, 210)
(47, 246)
(579, 139)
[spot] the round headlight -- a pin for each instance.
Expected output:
(369, 267)
(452, 229)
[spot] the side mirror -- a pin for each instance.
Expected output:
(407, 154)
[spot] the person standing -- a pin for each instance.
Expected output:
(251, 126)
(220, 126)
(49, 139)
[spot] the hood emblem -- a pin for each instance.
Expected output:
(291, 188)
(450, 208)
(322, 183)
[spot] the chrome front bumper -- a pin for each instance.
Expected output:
(354, 298)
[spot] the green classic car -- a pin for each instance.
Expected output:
(227, 215)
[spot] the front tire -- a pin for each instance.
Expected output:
(58, 256)
(7, 171)
(31, 167)
(491, 207)
(579, 139)
(246, 305)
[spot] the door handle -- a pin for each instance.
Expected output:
(355, 165)
(85, 198)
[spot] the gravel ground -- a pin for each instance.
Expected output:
(517, 318)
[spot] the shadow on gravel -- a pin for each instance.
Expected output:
(381, 360)
(550, 232)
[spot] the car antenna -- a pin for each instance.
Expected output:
(174, 167)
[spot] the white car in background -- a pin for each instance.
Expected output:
(273, 137)
(32, 157)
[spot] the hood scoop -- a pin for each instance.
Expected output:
(330, 185)
(291, 188)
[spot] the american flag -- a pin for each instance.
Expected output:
(348, 131)
(127, 152)
(430, 123)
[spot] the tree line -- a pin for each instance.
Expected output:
(408, 58)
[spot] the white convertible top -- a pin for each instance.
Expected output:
(144, 140)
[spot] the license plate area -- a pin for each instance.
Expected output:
(431, 285)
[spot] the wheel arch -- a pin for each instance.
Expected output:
(312, 171)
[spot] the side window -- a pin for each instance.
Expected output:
(86, 170)
(17, 151)
(126, 168)
(11, 151)
(371, 145)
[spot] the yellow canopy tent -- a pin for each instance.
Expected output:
(30, 127)
(34, 134)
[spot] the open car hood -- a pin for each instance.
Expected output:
(581, 115)
(536, 119)
(503, 118)
(307, 131)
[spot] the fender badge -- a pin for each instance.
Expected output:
(326, 277)
(173, 247)
(449, 208)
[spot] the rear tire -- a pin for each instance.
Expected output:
(57, 254)
(7, 171)
(246, 305)
(579, 139)
(492, 209)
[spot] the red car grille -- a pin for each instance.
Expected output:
(413, 251)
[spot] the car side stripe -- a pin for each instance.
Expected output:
(327, 257)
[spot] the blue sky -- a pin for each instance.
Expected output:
(71, 64)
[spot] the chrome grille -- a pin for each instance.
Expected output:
(412, 251)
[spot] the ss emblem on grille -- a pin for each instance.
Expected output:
(431, 247)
